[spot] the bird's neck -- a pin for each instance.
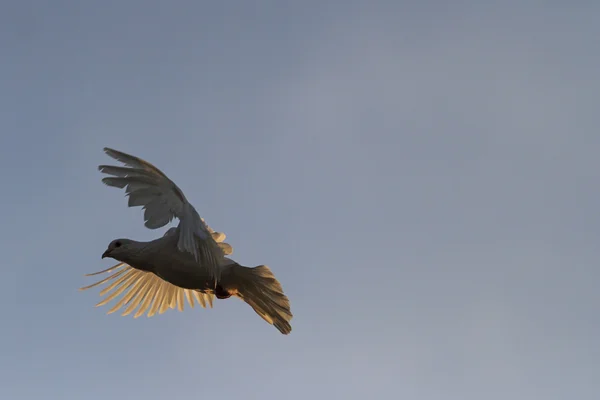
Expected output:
(137, 256)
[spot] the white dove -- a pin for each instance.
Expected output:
(187, 262)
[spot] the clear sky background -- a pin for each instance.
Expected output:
(422, 176)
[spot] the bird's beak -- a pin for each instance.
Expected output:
(106, 253)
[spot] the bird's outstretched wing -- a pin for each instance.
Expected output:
(163, 201)
(146, 291)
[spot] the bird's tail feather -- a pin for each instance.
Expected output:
(262, 291)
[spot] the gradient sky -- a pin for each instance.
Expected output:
(422, 177)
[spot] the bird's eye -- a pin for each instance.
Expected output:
(117, 244)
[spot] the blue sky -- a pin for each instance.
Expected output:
(422, 177)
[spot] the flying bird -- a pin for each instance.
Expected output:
(188, 262)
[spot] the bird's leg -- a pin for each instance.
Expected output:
(221, 293)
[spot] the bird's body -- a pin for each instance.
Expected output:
(178, 268)
(187, 262)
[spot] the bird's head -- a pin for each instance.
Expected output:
(118, 249)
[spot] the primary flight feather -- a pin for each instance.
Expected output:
(188, 263)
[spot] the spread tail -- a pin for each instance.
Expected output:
(262, 291)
